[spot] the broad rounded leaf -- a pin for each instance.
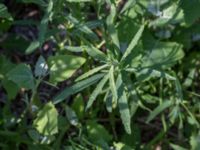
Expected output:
(97, 131)
(47, 122)
(22, 76)
(63, 66)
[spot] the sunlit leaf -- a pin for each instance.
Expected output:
(63, 66)
(195, 142)
(177, 147)
(121, 146)
(47, 122)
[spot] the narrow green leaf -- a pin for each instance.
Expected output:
(147, 73)
(96, 91)
(95, 53)
(45, 21)
(133, 43)
(176, 147)
(179, 89)
(33, 45)
(81, 27)
(158, 110)
(4, 12)
(108, 101)
(128, 5)
(71, 116)
(112, 84)
(123, 105)
(78, 1)
(74, 48)
(77, 87)
(91, 72)
(111, 28)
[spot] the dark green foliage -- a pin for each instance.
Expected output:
(99, 74)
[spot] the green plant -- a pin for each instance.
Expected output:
(104, 60)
